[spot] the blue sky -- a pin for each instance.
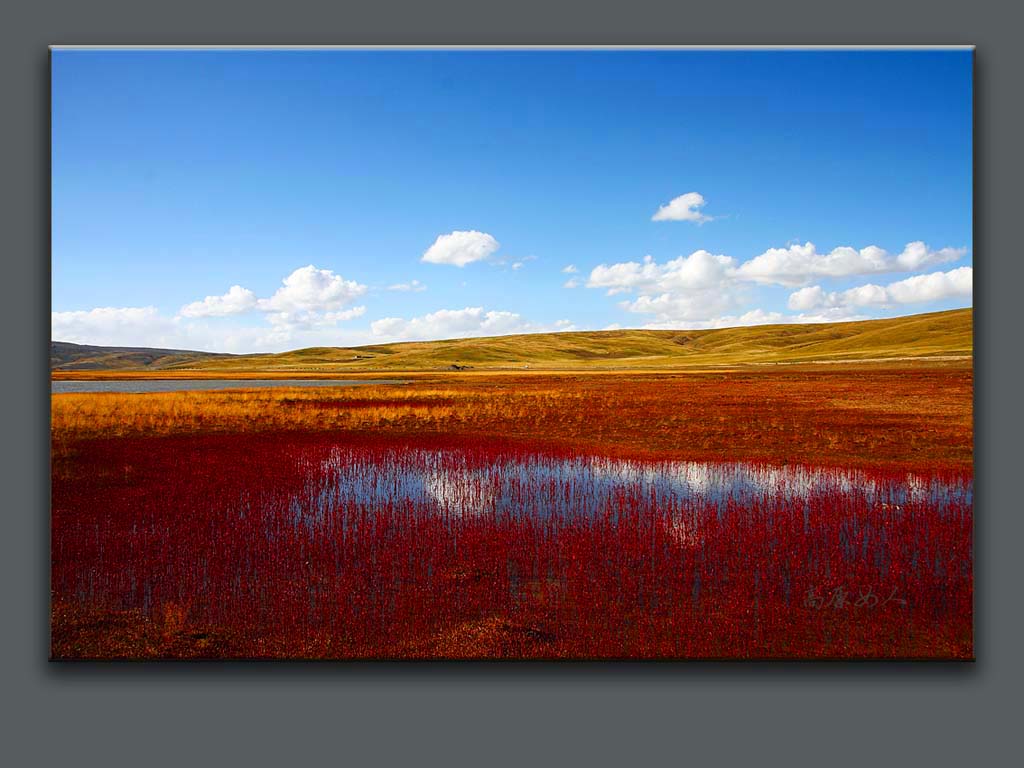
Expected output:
(269, 200)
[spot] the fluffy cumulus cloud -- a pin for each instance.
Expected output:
(957, 283)
(147, 327)
(306, 290)
(688, 290)
(811, 297)
(700, 270)
(309, 320)
(699, 290)
(304, 311)
(706, 290)
(917, 255)
(309, 299)
(798, 264)
(625, 276)
(309, 289)
(236, 301)
(461, 248)
(683, 208)
(459, 323)
(682, 308)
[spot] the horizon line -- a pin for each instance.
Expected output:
(529, 333)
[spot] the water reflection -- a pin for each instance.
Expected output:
(460, 484)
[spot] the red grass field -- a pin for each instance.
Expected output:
(796, 514)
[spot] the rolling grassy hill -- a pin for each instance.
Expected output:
(938, 334)
(65, 356)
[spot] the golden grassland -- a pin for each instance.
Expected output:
(938, 335)
(916, 414)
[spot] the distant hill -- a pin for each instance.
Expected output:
(938, 334)
(65, 356)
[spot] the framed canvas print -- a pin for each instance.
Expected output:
(511, 353)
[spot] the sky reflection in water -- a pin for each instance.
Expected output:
(458, 484)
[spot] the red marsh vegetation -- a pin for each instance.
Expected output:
(781, 514)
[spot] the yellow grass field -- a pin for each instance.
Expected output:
(941, 336)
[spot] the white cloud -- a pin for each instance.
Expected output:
(624, 276)
(835, 315)
(699, 270)
(288, 331)
(957, 283)
(413, 285)
(147, 327)
(705, 290)
(295, 329)
(917, 255)
(236, 301)
(687, 289)
(570, 269)
(347, 314)
(460, 323)
(865, 295)
(450, 323)
(683, 208)
(304, 311)
(309, 289)
(808, 298)
(933, 287)
(797, 264)
(308, 320)
(115, 326)
(572, 282)
(755, 317)
(461, 248)
(688, 307)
